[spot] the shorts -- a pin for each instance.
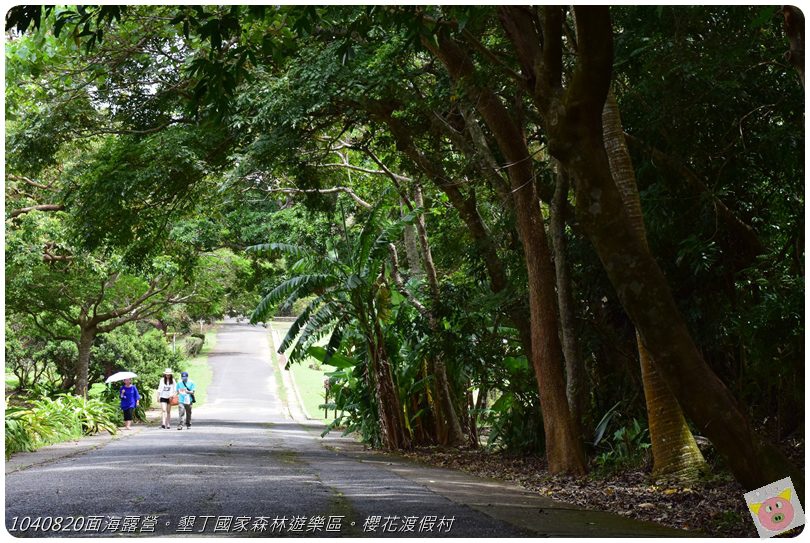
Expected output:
(164, 400)
(128, 413)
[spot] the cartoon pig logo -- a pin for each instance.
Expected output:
(776, 513)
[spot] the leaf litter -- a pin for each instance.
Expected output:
(715, 507)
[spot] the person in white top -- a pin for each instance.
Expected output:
(166, 391)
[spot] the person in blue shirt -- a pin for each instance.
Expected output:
(130, 399)
(185, 391)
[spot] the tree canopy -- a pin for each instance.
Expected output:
(431, 188)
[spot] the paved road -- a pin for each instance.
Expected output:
(246, 469)
(242, 458)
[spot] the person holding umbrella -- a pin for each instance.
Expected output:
(129, 395)
(130, 399)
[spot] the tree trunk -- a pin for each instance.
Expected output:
(645, 296)
(675, 452)
(86, 339)
(392, 425)
(425, 429)
(427, 255)
(576, 390)
(470, 418)
(415, 268)
(467, 210)
(424, 426)
(448, 428)
(572, 120)
(564, 451)
(446, 415)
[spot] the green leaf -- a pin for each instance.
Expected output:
(296, 287)
(764, 15)
(504, 403)
(603, 424)
(516, 364)
(337, 360)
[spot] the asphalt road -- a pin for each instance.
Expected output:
(243, 469)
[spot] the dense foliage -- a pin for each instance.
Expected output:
(368, 157)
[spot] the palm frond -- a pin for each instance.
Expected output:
(366, 239)
(392, 232)
(318, 326)
(300, 285)
(336, 338)
(296, 327)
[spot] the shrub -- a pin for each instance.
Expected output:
(193, 346)
(124, 349)
(48, 420)
(18, 438)
(514, 423)
(93, 415)
(627, 448)
(35, 360)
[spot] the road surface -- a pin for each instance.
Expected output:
(246, 469)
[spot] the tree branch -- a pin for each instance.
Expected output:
(28, 181)
(405, 292)
(478, 46)
(41, 207)
(45, 330)
(586, 95)
(794, 29)
(151, 291)
(332, 190)
(359, 169)
(143, 312)
(106, 283)
(741, 230)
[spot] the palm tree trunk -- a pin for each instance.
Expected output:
(675, 452)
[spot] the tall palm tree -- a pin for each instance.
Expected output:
(675, 452)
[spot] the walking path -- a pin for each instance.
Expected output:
(246, 468)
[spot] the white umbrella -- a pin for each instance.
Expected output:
(120, 376)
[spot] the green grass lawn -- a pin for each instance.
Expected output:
(198, 369)
(310, 386)
(308, 381)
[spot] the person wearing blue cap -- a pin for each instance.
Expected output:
(185, 391)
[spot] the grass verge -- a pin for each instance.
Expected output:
(11, 381)
(308, 381)
(280, 389)
(198, 369)
(310, 386)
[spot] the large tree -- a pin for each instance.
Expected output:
(472, 134)
(572, 114)
(75, 295)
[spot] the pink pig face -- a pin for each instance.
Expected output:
(775, 513)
